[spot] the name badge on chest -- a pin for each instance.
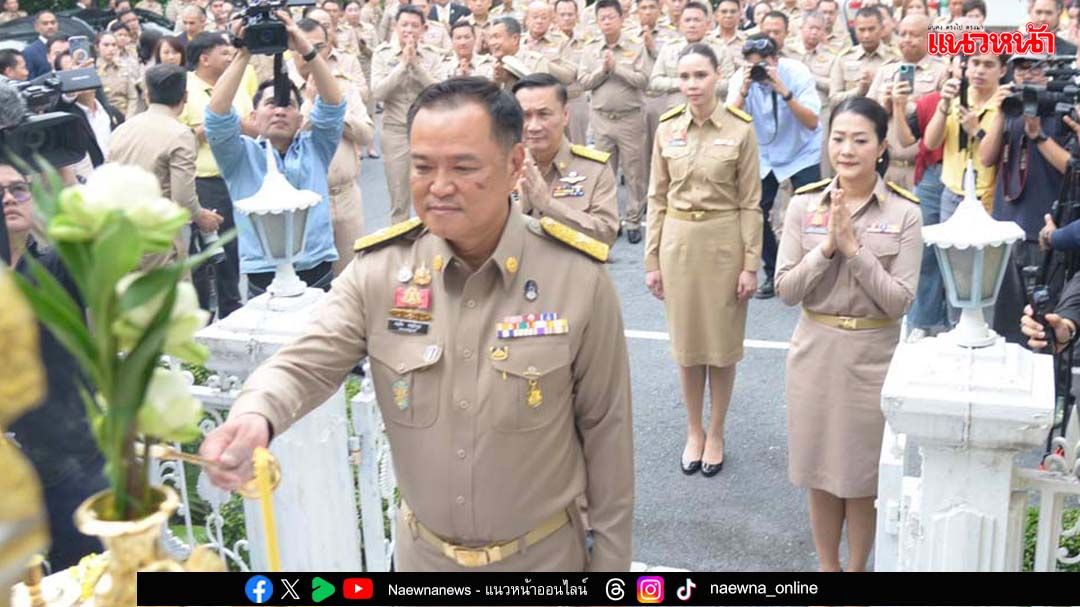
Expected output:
(883, 228)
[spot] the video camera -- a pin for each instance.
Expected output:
(29, 126)
(264, 34)
(1057, 98)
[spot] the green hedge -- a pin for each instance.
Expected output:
(1072, 544)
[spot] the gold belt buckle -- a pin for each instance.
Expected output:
(697, 215)
(848, 323)
(476, 557)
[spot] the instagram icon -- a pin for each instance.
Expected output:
(650, 589)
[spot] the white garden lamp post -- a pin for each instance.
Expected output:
(279, 213)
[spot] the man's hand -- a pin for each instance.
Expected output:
(298, 43)
(648, 40)
(899, 95)
(950, 89)
(1036, 333)
(231, 445)
(208, 220)
(746, 82)
(533, 188)
(775, 82)
(408, 52)
(1072, 124)
(609, 61)
(747, 285)
(999, 95)
(969, 120)
(1047, 232)
(865, 80)
(655, 283)
(1032, 126)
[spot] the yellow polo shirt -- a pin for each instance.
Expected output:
(198, 97)
(954, 161)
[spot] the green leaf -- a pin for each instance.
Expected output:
(197, 260)
(116, 251)
(148, 286)
(56, 310)
(76, 258)
(133, 373)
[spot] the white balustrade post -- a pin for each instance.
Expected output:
(315, 510)
(970, 410)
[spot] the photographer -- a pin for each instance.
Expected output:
(1063, 321)
(1027, 150)
(304, 156)
(781, 95)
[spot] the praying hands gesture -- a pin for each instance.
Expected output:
(841, 228)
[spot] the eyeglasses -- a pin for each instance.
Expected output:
(20, 191)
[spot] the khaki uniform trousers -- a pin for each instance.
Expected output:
(395, 148)
(654, 107)
(623, 135)
(347, 218)
(578, 128)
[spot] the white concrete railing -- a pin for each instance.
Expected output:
(364, 457)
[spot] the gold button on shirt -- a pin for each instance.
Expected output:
(543, 423)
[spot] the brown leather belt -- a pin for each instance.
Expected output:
(694, 215)
(849, 323)
(467, 556)
(619, 114)
(901, 164)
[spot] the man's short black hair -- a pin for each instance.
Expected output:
(735, 2)
(9, 59)
(695, 5)
(460, 23)
(507, 120)
(53, 40)
(309, 25)
(836, 2)
(166, 84)
(558, 2)
(608, 4)
(269, 84)
(203, 43)
(975, 5)
(777, 15)
(41, 14)
(513, 26)
(542, 81)
(410, 9)
(870, 11)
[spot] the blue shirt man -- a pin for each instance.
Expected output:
(784, 103)
(303, 157)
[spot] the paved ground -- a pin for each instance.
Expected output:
(747, 518)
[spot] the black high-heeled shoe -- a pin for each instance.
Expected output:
(709, 470)
(689, 468)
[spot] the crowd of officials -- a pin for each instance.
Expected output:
(791, 148)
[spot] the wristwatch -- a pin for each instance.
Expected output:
(1041, 137)
(788, 97)
(980, 134)
(310, 56)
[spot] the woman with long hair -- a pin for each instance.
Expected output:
(704, 245)
(849, 255)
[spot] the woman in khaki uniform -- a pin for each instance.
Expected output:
(850, 256)
(704, 245)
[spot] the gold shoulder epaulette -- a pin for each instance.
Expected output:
(813, 187)
(673, 112)
(590, 153)
(387, 234)
(901, 191)
(574, 239)
(741, 115)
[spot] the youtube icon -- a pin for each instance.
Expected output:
(358, 588)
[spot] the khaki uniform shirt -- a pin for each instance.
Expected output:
(386, 24)
(480, 29)
(6, 16)
(371, 13)
(397, 84)
(732, 46)
(535, 63)
(665, 79)
(489, 435)
(707, 166)
(550, 45)
(662, 36)
(930, 74)
(622, 89)
(156, 141)
(119, 86)
(582, 195)
(152, 6)
(479, 65)
(820, 61)
(572, 55)
(839, 41)
(848, 69)
(878, 282)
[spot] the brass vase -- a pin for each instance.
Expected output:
(132, 545)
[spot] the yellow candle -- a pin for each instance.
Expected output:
(265, 485)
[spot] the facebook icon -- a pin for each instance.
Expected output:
(259, 589)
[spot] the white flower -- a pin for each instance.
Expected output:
(185, 320)
(169, 412)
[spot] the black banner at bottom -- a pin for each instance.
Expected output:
(598, 589)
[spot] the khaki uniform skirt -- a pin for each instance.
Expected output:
(700, 262)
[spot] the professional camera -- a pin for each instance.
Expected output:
(1058, 97)
(29, 128)
(758, 72)
(264, 34)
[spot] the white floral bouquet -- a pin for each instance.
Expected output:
(101, 232)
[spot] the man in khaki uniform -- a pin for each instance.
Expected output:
(930, 75)
(570, 183)
(613, 71)
(542, 38)
(694, 26)
(838, 38)
(853, 71)
(399, 71)
(497, 429)
(673, 16)
(465, 61)
(566, 19)
(346, 211)
(117, 81)
(481, 19)
(504, 40)
(653, 37)
(157, 141)
(815, 54)
(727, 34)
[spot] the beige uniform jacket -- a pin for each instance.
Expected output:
(711, 166)
(621, 89)
(119, 86)
(549, 45)
(662, 36)
(878, 282)
(559, 67)
(839, 40)
(359, 129)
(820, 61)
(386, 23)
(849, 67)
(158, 142)
(582, 193)
(396, 83)
(572, 55)
(930, 74)
(478, 65)
(665, 73)
(474, 460)
(733, 46)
